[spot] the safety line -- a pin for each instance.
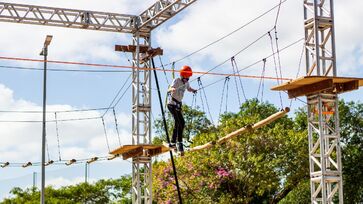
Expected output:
(63, 70)
(141, 68)
(117, 94)
(57, 132)
(48, 121)
(105, 132)
(51, 112)
(231, 33)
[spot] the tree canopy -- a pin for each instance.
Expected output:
(268, 165)
(103, 191)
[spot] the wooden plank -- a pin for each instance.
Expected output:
(154, 151)
(123, 149)
(240, 131)
(131, 48)
(308, 80)
(345, 87)
(135, 152)
(128, 151)
(311, 88)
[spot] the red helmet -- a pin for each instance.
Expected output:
(186, 71)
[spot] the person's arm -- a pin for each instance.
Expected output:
(172, 88)
(190, 89)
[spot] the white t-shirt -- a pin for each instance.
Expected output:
(180, 88)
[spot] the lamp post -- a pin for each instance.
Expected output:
(44, 53)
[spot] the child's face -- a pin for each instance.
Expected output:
(185, 79)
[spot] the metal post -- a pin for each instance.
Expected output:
(323, 116)
(86, 173)
(34, 180)
(141, 123)
(45, 54)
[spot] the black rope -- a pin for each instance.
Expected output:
(229, 34)
(278, 54)
(105, 132)
(63, 70)
(275, 63)
(116, 126)
(234, 63)
(46, 142)
(221, 104)
(48, 121)
(123, 94)
(235, 82)
(284, 48)
(206, 99)
(57, 132)
(262, 80)
(194, 103)
(166, 131)
(278, 12)
(200, 87)
(65, 111)
(238, 52)
(162, 66)
(226, 110)
(117, 94)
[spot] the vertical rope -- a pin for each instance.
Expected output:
(299, 68)
(57, 132)
(278, 54)
(221, 104)
(105, 132)
(46, 142)
(227, 95)
(234, 63)
(162, 66)
(116, 125)
(173, 72)
(167, 133)
(194, 102)
(235, 82)
(262, 80)
(206, 99)
(275, 63)
(200, 87)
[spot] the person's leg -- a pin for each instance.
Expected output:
(172, 110)
(180, 129)
(181, 126)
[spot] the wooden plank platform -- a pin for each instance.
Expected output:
(130, 151)
(314, 84)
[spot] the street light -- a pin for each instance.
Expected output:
(44, 53)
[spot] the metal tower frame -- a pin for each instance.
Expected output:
(323, 115)
(140, 26)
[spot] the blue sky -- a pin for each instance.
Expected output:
(202, 23)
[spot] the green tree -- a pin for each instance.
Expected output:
(103, 191)
(195, 123)
(351, 120)
(351, 124)
(258, 167)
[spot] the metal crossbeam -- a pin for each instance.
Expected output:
(69, 18)
(160, 12)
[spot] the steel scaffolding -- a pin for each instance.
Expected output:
(323, 115)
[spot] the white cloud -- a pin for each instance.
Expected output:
(207, 21)
(69, 44)
(59, 182)
(78, 139)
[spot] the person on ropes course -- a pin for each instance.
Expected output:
(176, 90)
